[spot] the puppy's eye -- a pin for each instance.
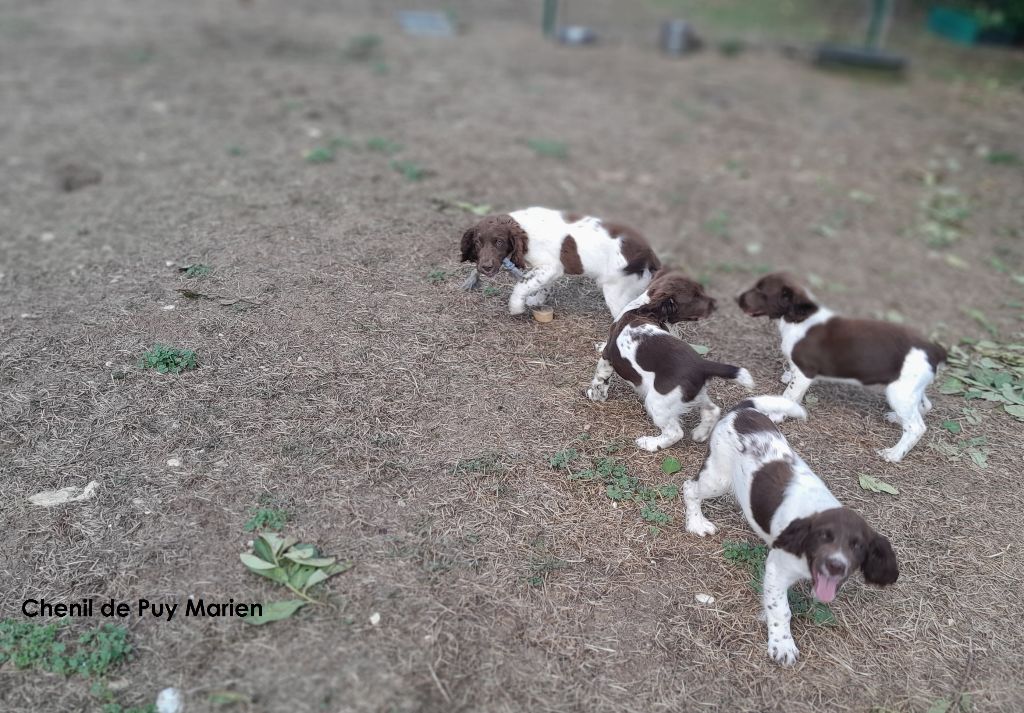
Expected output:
(827, 536)
(855, 543)
(501, 243)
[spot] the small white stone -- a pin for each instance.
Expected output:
(168, 307)
(313, 132)
(160, 108)
(375, 618)
(174, 462)
(169, 701)
(704, 599)
(47, 237)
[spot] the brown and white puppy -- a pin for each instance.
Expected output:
(665, 371)
(820, 345)
(550, 244)
(811, 535)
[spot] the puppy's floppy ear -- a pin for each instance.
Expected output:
(796, 304)
(667, 310)
(469, 246)
(879, 565)
(794, 538)
(520, 243)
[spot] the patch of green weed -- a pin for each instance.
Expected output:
(169, 360)
(197, 270)
(362, 47)
(752, 557)
(265, 518)
(486, 464)
(410, 169)
(1003, 158)
(382, 145)
(549, 148)
(491, 291)
(562, 459)
(38, 646)
(436, 277)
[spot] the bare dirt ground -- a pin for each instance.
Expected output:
(341, 382)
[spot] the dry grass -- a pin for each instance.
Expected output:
(346, 386)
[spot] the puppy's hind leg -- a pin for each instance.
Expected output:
(709, 414)
(598, 390)
(712, 482)
(664, 410)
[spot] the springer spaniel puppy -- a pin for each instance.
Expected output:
(665, 371)
(822, 346)
(809, 533)
(551, 244)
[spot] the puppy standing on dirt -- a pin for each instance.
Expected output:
(665, 371)
(819, 345)
(550, 244)
(811, 535)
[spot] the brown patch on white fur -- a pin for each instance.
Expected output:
(570, 257)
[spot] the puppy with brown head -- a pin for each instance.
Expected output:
(820, 345)
(811, 535)
(665, 371)
(550, 244)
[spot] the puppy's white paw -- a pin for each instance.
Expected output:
(701, 433)
(700, 527)
(891, 454)
(597, 393)
(648, 443)
(783, 651)
(536, 299)
(599, 346)
(787, 376)
(891, 417)
(516, 305)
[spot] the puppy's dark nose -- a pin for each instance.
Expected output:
(834, 566)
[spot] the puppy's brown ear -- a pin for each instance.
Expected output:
(520, 244)
(794, 538)
(667, 310)
(879, 565)
(796, 304)
(469, 252)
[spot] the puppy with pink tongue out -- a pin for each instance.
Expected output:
(809, 532)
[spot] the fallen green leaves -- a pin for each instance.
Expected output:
(876, 485)
(988, 371)
(297, 566)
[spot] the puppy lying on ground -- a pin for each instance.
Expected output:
(665, 371)
(819, 345)
(551, 244)
(811, 535)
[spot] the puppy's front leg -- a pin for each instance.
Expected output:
(798, 385)
(537, 280)
(598, 390)
(781, 571)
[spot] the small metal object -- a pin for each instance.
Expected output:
(576, 35)
(678, 37)
(426, 23)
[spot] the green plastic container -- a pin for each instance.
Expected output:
(954, 25)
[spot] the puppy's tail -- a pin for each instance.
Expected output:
(727, 371)
(774, 407)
